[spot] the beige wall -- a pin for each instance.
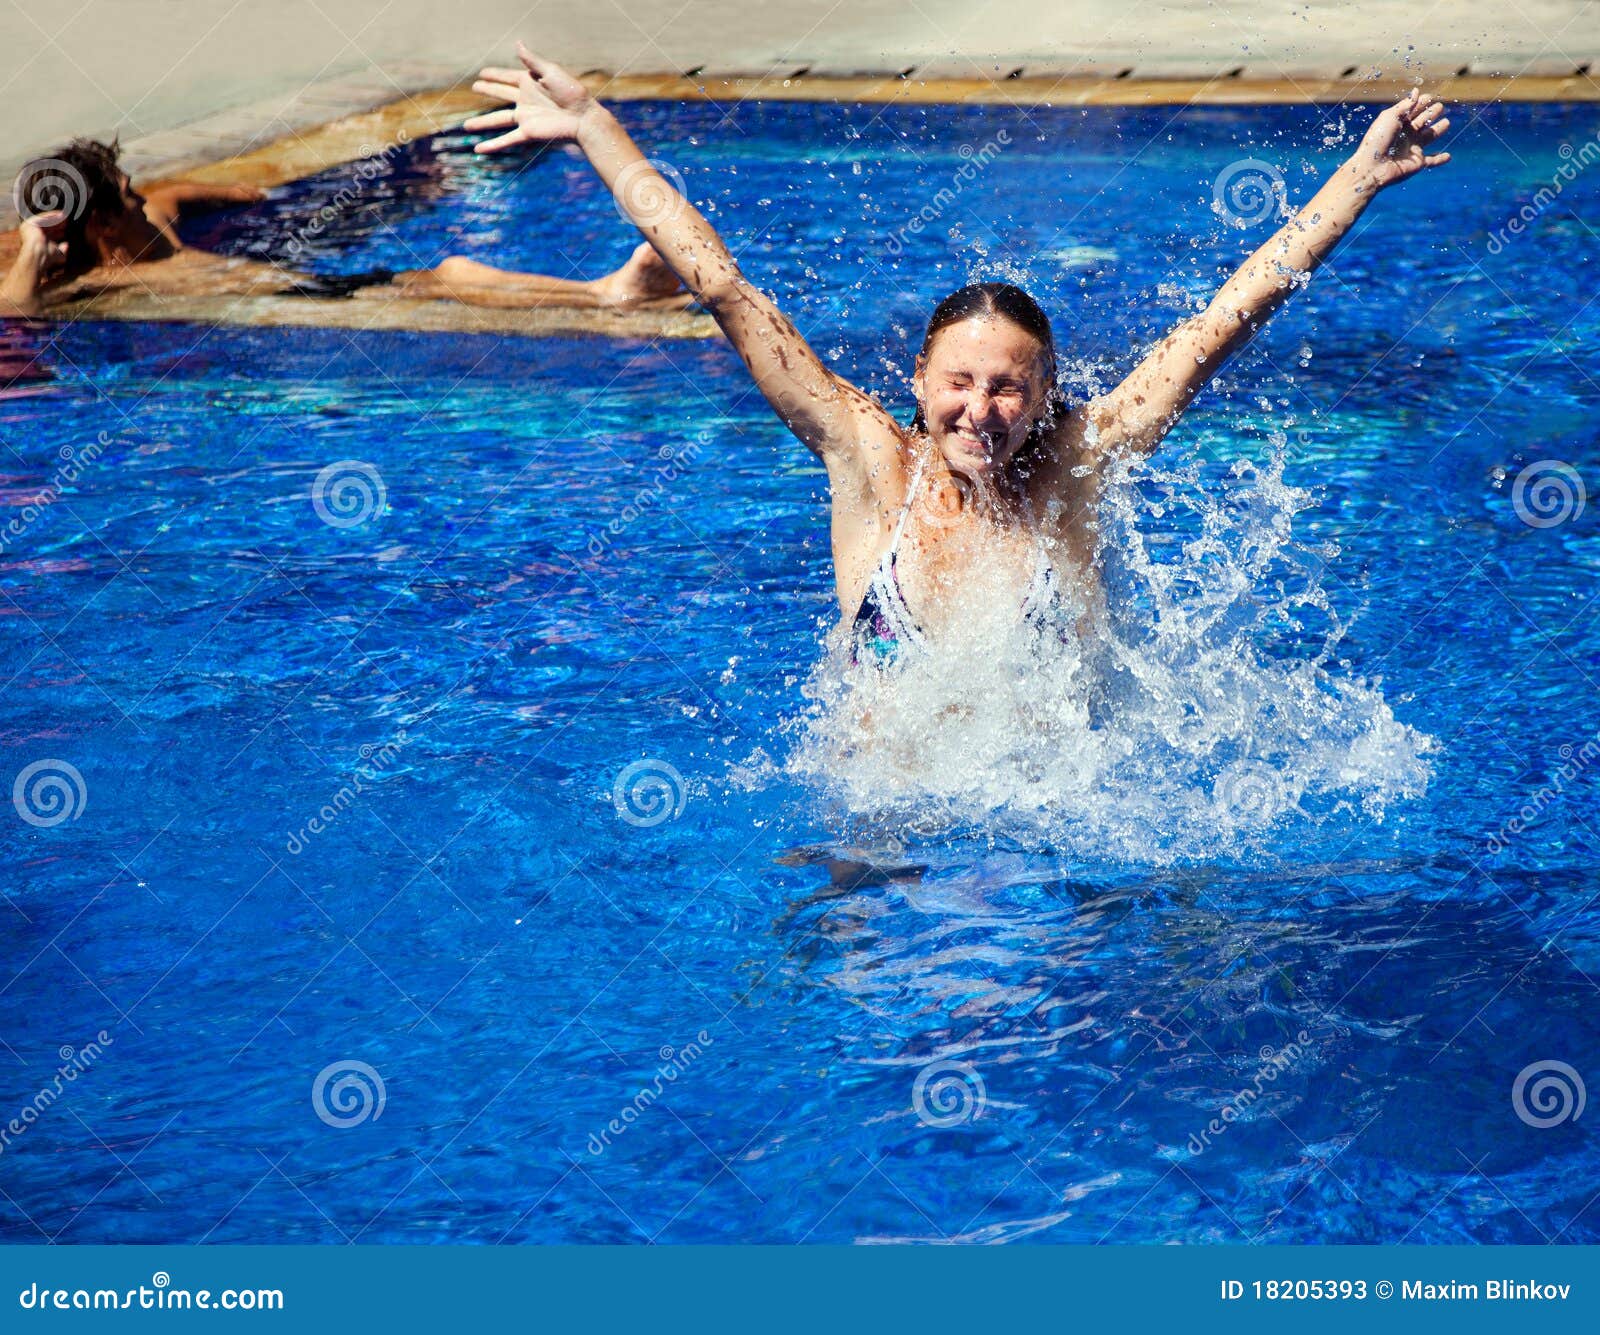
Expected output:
(137, 66)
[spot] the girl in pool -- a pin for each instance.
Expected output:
(995, 475)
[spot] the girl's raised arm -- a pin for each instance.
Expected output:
(1140, 411)
(828, 414)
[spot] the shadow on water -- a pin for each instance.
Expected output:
(1248, 1051)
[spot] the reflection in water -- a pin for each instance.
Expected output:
(1360, 1025)
(23, 369)
(314, 224)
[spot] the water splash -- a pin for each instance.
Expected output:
(1202, 714)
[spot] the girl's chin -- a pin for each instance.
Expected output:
(959, 447)
(972, 457)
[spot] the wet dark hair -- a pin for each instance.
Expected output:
(84, 181)
(1008, 302)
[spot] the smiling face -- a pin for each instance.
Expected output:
(982, 384)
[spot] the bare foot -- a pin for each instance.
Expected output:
(644, 280)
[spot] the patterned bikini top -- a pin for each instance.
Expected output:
(884, 632)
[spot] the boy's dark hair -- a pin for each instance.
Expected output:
(1009, 302)
(84, 181)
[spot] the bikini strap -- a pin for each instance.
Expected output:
(905, 510)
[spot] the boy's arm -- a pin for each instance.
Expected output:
(187, 196)
(20, 291)
(165, 204)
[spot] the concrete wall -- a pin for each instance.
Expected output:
(139, 66)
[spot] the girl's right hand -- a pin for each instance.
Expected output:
(1396, 144)
(547, 103)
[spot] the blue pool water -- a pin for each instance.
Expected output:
(1259, 953)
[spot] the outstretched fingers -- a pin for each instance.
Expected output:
(509, 140)
(561, 87)
(501, 92)
(536, 65)
(1429, 111)
(491, 120)
(1430, 126)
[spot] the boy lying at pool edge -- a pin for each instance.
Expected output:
(995, 473)
(109, 236)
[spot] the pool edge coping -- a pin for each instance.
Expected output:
(228, 148)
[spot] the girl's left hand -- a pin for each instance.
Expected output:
(1392, 148)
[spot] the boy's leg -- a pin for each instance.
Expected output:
(643, 281)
